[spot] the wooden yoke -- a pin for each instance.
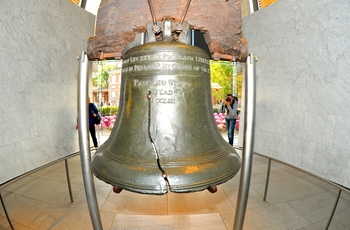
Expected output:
(118, 21)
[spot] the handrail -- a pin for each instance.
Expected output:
(341, 188)
(4, 208)
(345, 189)
(3, 185)
(65, 158)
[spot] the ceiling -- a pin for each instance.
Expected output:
(93, 5)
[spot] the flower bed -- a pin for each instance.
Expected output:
(221, 122)
(108, 121)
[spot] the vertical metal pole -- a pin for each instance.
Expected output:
(257, 6)
(83, 3)
(68, 181)
(333, 211)
(85, 154)
(254, 5)
(7, 216)
(192, 37)
(267, 178)
(248, 143)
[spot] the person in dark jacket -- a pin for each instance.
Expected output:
(93, 111)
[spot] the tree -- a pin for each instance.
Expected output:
(101, 77)
(221, 73)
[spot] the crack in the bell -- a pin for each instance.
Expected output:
(164, 174)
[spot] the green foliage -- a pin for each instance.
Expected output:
(113, 109)
(101, 77)
(239, 85)
(221, 73)
(226, 75)
(108, 110)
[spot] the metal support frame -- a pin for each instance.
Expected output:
(7, 216)
(333, 211)
(83, 3)
(267, 178)
(331, 183)
(248, 143)
(253, 5)
(85, 154)
(68, 180)
(36, 170)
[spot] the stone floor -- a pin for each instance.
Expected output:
(295, 200)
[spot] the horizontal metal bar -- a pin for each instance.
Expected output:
(347, 190)
(3, 185)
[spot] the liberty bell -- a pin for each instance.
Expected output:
(165, 136)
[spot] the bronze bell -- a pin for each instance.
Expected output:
(165, 135)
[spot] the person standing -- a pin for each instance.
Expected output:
(231, 106)
(93, 111)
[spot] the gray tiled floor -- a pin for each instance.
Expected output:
(295, 200)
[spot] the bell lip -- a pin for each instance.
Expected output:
(138, 188)
(173, 189)
(152, 182)
(204, 186)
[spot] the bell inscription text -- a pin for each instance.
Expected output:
(167, 71)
